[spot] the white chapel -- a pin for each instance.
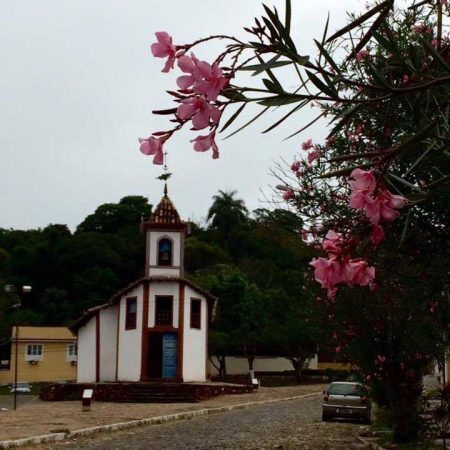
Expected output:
(157, 327)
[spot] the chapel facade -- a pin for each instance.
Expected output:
(157, 327)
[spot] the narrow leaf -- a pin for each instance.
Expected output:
(248, 123)
(233, 117)
(329, 90)
(360, 20)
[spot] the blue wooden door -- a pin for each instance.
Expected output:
(169, 355)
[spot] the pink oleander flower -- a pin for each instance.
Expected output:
(377, 234)
(329, 141)
(288, 194)
(327, 272)
(333, 242)
(364, 181)
(164, 48)
(307, 144)
(153, 146)
(199, 110)
(361, 55)
(384, 207)
(357, 271)
(312, 156)
(205, 79)
(405, 79)
(381, 359)
(204, 143)
(295, 166)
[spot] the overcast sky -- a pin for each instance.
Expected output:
(77, 87)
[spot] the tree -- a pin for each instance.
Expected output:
(227, 215)
(382, 81)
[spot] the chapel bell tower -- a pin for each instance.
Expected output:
(165, 233)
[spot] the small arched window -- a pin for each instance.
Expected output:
(164, 252)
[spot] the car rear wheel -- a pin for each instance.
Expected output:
(325, 418)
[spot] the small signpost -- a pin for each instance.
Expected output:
(86, 400)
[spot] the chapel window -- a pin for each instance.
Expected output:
(196, 313)
(164, 252)
(164, 310)
(131, 313)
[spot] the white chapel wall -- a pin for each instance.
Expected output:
(194, 343)
(86, 352)
(130, 341)
(108, 343)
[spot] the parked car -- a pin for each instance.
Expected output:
(346, 399)
(21, 388)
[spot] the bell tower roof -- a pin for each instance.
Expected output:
(165, 215)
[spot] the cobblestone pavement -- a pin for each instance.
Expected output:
(288, 425)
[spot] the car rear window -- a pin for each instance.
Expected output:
(345, 389)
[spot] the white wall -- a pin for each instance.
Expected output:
(86, 352)
(163, 288)
(194, 344)
(238, 365)
(130, 341)
(108, 343)
(152, 250)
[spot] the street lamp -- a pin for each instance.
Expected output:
(11, 289)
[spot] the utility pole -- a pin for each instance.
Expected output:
(10, 289)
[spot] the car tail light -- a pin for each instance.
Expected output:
(364, 399)
(326, 396)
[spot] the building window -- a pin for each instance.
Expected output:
(131, 313)
(34, 352)
(164, 310)
(164, 252)
(72, 352)
(196, 313)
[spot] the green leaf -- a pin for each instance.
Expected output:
(233, 117)
(415, 138)
(377, 76)
(436, 55)
(272, 87)
(249, 122)
(234, 95)
(344, 117)
(276, 83)
(280, 100)
(360, 20)
(327, 56)
(406, 183)
(296, 108)
(306, 126)
(258, 68)
(287, 21)
(328, 90)
(273, 16)
(366, 38)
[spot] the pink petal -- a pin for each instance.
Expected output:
(377, 234)
(200, 119)
(185, 81)
(163, 37)
(159, 50)
(186, 110)
(186, 64)
(169, 63)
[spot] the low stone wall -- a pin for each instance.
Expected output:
(145, 392)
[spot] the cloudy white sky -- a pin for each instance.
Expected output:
(77, 87)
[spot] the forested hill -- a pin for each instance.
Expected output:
(70, 272)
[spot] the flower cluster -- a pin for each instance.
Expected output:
(197, 101)
(339, 268)
(377, 203)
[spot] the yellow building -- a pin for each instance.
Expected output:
(44, 354)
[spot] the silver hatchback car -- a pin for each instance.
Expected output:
(346, 400)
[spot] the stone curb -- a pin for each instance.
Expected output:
(139, 422)
(369, 444)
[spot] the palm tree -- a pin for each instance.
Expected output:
(227, 214)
